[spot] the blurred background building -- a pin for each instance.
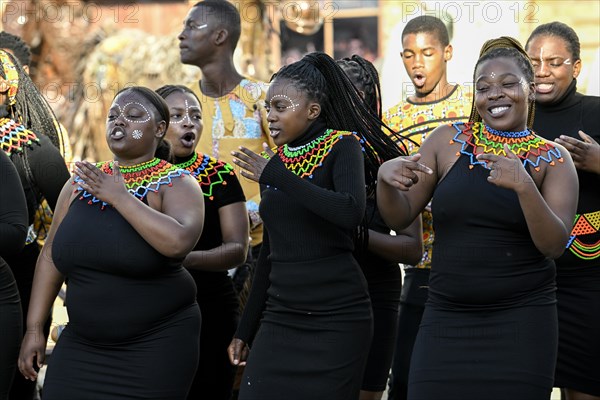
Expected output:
(84, 51)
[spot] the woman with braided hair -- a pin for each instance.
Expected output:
(13, 229)
(30, 137)
(308, 293)
(503, 203)
(380, 262)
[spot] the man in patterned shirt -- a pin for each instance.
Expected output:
(232, 105)
(426, 49)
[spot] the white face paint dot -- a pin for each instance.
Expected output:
(183, 118)
(122, 112)
(137, 134)
(284, 97)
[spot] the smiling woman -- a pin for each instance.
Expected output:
(504, 200)
(126, 272)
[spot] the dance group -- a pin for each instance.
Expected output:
(488, 199)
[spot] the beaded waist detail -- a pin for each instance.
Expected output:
(585, 224)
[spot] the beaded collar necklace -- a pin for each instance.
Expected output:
(304, 160)
(14, 136)
(481, 139)
(139, 179)
(208, 171)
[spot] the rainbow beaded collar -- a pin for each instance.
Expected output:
(480, 139)
(304, 160)
(208, 171)
(13, 136)
(139, 179)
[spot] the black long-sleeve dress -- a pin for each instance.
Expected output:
(578, 270)
(216, 295)
(134, 323)
(316, 325)
(13, 229)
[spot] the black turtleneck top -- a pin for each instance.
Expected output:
(309, 218)
(567, 116)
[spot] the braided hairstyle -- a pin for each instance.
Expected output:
(31, 108)
(563, 31)
(365, 77)
(17, 46)
(342, 108)
(163, 150)
(505, 47)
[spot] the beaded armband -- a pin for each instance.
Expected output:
(585, 224)
(481, 139)
(139, 179)
(208, 171)
(14, 136)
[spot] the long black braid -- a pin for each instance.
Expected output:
(342, 108)
(506, 47)
(366, 79)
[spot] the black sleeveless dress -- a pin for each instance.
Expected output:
(489, 330)
(216, 295)
(134, 322)
(316, 327)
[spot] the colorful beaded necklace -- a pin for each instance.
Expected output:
(13, 136)
(304, 160)
(481, 139)
(139, 179)
(208, 171)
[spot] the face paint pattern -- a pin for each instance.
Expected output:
(137, 134)
(287, 98)
(122, 112)
(183, 118)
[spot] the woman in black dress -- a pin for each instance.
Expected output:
(316, 326)
(503, 204)
(380, 263)
(13, 229)
(120, 239)
(571, 119)
(31, 138)
(222, 246)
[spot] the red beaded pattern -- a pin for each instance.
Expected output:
(304, 160)
(208, 171)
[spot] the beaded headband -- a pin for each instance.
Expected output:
(12, 77)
